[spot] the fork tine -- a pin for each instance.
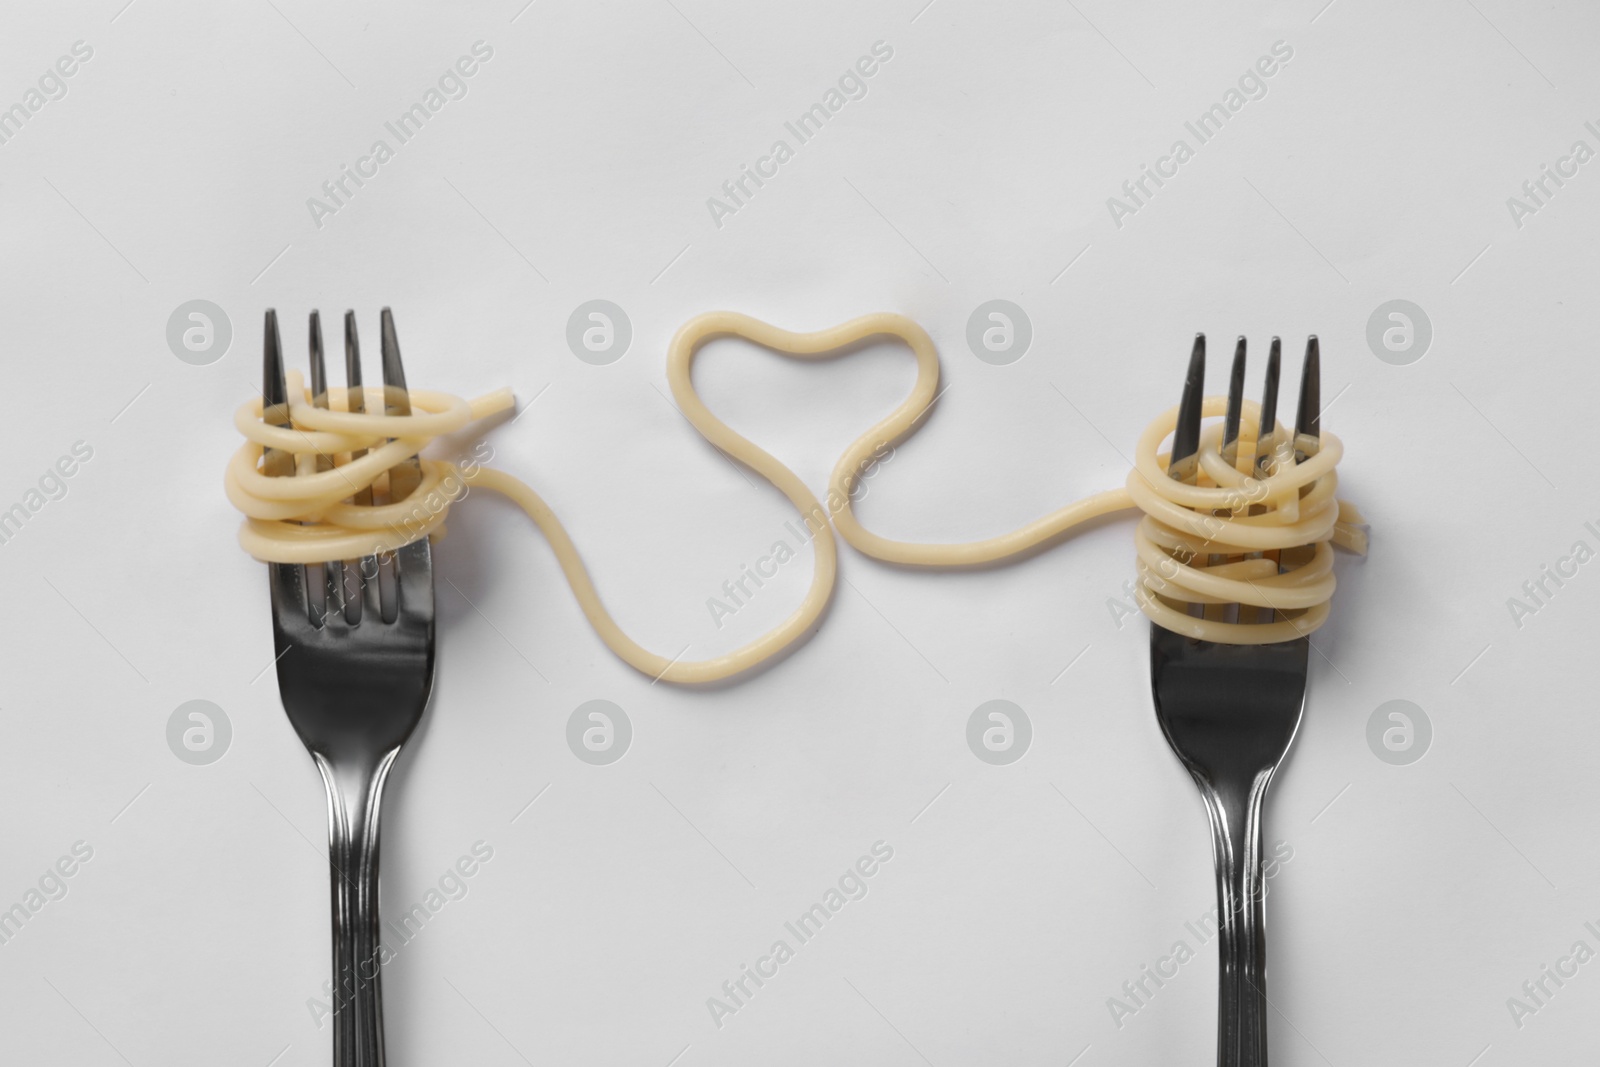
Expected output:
(1230, 426)
(1269, 405)
(358, 398)
(275, 462)
(356, 577)
(286, 580)
(333, 571)
(405, 476)
(1308, 420)
(319, 371)
(394, 373)
(272, 383)
(370, 603)
(414, 587)
(1186, 435)
(352, 363)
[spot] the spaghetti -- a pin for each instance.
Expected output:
(1209, 544)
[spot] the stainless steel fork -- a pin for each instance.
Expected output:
(354, 679)
(1230, 713)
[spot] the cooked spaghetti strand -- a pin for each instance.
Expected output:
(1229, 516)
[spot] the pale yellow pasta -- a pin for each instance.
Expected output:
(1293, 513)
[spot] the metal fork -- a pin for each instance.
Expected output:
(354, 680)
(1230, 713)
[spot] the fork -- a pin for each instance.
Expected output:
(354, 674)
(1230, 713)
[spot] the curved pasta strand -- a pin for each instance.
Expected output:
(1293, 513)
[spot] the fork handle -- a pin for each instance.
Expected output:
(354, 795)
(1241, 921)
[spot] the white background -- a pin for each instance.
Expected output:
(1377, 167)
